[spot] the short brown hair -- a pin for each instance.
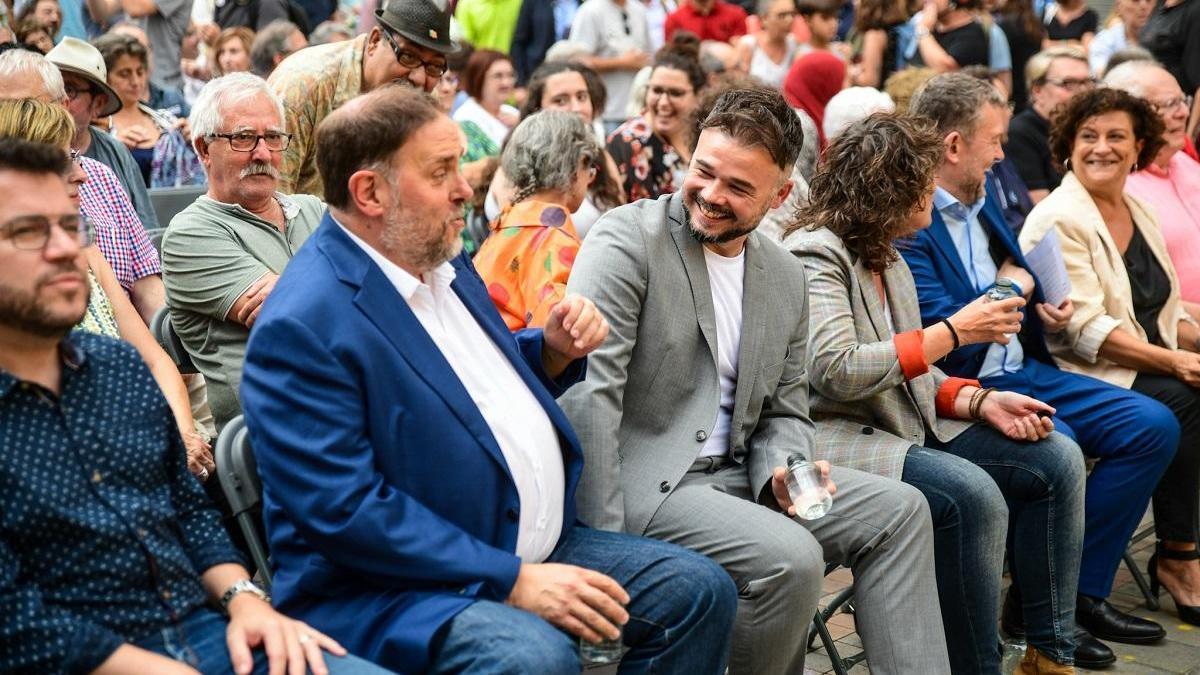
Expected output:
(367, 131)
(1064, 124)
(233, 33)
(871, 178)
(756, 115)
(113, 46)
(474, 75)
(880, 14)
(807, 8)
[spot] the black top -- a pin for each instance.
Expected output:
(1023, 46)
(1084, 23)
(1148, 283)
(1167, 35)
(967, 44)
(1029, 149)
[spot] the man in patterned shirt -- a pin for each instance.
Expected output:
(109, 550)
(119, 233)
(407, 46)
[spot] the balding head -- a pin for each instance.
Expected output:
(1150, 81)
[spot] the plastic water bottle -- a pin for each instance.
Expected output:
(1003, 290)
(605, 651)
(1011, 654)
(807, 489)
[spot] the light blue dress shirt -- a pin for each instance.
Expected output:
(971, 241)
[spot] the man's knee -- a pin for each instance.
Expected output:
(494, 638)
(789, 562)
(1158, 429)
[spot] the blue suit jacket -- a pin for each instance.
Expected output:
(943, 286)
(388, 502)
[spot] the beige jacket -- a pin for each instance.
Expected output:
(1099, 282)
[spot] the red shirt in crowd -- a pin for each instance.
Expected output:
(723, 23)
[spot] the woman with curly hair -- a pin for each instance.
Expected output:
(1129, 326)
(879, 406)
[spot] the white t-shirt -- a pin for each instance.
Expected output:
(471, 111)
(725, 277)
(607, 29)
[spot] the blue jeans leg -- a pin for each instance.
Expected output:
(1043, 483)
(969, 518)
(1132, 435)
(494, 639)
(681, 605)
(199, 641)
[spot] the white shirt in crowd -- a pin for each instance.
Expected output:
(608, 30)
(522, 429)
(471, 111)
(725, 277)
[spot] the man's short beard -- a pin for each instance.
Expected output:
(740, 228)
(21, 310)
(400, 239)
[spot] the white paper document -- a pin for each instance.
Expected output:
(1046, 261)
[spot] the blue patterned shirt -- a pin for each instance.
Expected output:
(103, 532)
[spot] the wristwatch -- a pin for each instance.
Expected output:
(243, 586)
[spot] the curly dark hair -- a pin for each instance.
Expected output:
(1066, 120)
(872, 177)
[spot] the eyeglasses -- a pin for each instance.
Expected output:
(412, 60)
(1167, 106)
(245, 141)
(31, 233)
(74, 92)
(1074, 84)
(74, 156)
(657, 92)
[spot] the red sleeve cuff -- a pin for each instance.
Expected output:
(911, 353)
(949, 392)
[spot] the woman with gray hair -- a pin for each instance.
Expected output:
(550, 158)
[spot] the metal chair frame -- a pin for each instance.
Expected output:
(238, 476)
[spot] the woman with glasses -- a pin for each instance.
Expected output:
(109, 310)
(1129, 326)
(652, 151)
(1171, 182)
(489, 80)
(551, 160)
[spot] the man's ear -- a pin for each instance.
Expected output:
(954, 143)
(366, 188)
(782, 193)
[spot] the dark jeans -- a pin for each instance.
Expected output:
(1175, 499)
(976, 485)
(681, 611)
(199, 641)
(1132, 435)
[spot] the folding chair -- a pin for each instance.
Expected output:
(238, 475)
(840, 602)
(170, 201)
(1139, 577)
(164, 334)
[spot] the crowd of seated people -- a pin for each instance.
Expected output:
(532, 313)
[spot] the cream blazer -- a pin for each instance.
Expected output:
(1099, 282)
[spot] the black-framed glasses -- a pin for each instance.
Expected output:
(1167, 106)
(412, 60)
(247, 141)
(31, 233)
(74, 92)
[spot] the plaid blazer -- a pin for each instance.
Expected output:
(866, 415)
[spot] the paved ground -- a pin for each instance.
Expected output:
(1179, 653)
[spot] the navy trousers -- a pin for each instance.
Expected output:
(1134, 438)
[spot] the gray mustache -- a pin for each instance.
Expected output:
(259, 169)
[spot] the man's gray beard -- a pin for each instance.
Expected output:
(259, 168)
(22, 311)
(399, 240)
(972, 191)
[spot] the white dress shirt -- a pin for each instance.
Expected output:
(522, 429)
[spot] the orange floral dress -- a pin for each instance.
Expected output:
(526, 260)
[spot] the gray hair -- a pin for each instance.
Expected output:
(954, 102)
(1130, 76)
(544, 152)
(206, 118)
(567, 50)
(851, 105)
(17, 62)
(323, 33)
(269, 43)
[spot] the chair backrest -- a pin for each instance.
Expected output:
(171, 200)
(236, 468)
(164, 334)
(237, 473)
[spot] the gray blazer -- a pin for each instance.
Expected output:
(652, 394)
(867, 416)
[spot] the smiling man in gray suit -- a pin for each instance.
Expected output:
(700, 393)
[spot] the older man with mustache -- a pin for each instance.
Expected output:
(224, 252)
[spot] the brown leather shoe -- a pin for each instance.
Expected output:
(1037, 663)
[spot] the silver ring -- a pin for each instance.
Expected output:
(304, 637)
(203, 474)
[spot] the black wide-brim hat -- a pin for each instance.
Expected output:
(422, 22)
